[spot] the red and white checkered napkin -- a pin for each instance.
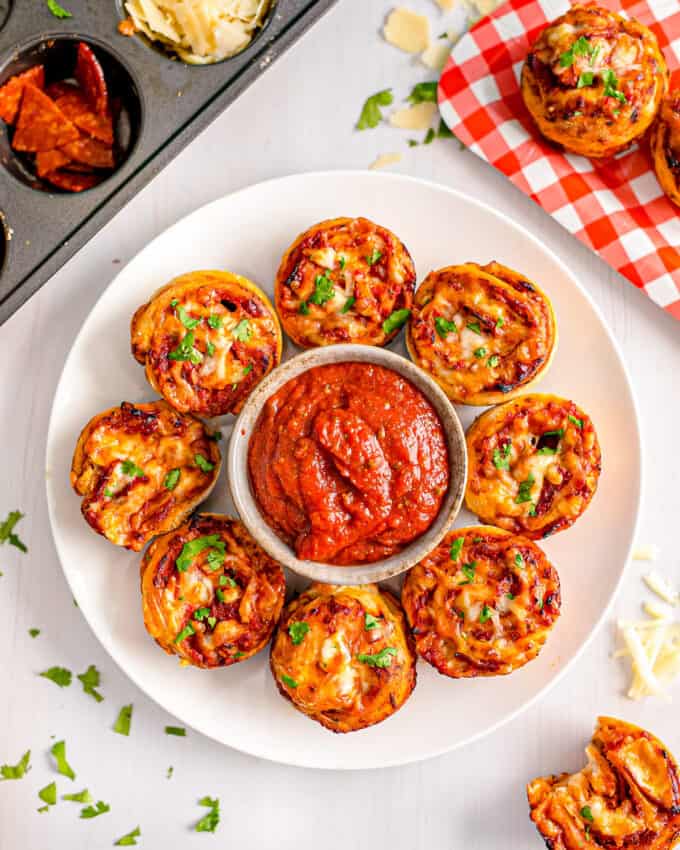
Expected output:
(617, 208)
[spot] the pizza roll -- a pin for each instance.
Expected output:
(343, 656)
(207, 339)
(345, 280)
(484, 333)
(533, 465)
(141, 469)
(593, 81)
(210, 594)
(627, 796)
(482, 603)
(665, 146)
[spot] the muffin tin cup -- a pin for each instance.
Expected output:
(167, 103)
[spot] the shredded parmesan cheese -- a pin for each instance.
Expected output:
(661, 587)
(436, 55)
(418, 117)
(657, 610)
(645, 552)
(385, 160)
(407, 30)
(445, 5)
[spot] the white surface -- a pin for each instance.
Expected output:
(297, 117)
(441, 714)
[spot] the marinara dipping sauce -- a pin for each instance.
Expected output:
(348, 463)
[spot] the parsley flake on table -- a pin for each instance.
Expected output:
(501, 456)
(395, 320)
(429, 136)
(443, 131)
(380, 659)
(129, 840)
(59, 753)
(169, 772)
(185, 350)
(371, 114)
(19, 770)
(59, 675)
(575, 421)
(486, 614)
(178, 731)
(524, 492)
(370, 622)
(186, 319)
(94, 811)
(242, 332)
(7, 533)
(209, 822)
(128, 467)
(203, 463)
(57, 10)
(34, 632)
(90, 679)
(444, 327)
(48, 794)
(297, 632)
(423, 93)
(347, 306)
(123, 721)
(323, 289)
(83, 796)
(194, 547)
(289, 681)
(456, 548)
(172, 479)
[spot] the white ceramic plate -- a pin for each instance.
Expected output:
(247, 233)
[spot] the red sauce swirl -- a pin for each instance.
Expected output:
(348, 463)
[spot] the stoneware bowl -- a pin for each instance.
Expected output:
(242, 495)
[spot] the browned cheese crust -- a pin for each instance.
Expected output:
(341, 280)
(533, 465)
(141, 469)
(665, 146)
(207, 339)
(484, 333)
(593, 81)
(482, 603)
(343, 656)
(626, 798)
(210, 594)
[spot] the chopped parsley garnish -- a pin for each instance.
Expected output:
(201, 614)
(123, 721)
(209, 348)
(171, 770)
(532, 510)
(83, 796)
(370, 622)
(16, 771)
(7, 534)
(493, 361)
(48, 794)
(486, 614)
(474, 326)
(423, 93)
(219, 595)
(186, 319)
(59, 753)
(342, 262)
(380, 659)
(215, 560)
(174, 302)
(500, 321)
(59, 675)
(129, 840)
(57, 10)
(371, 114)
(303, 309)
(347, 306)
(611, 86)
(90, 681)
(171, 480)
(519, 560)
(456, 548)
(212, 622)
(297, 632)
(524, 492)
(211, 820)
(539, 602)
(501, 456)
(587, 814)
(109, 493)
(34, 632)
(249, 368)
(374, 257)
(186, 632)
(479, 353)
(585, 79)
(546, 450)
(194, 547)
(215, 321)
(575, 421)
(395, 320)
(468, 571)
(444, 327)
(510, 596)
(99, 808)
(242, 332)
(216, 436)
(185, 350)
(288, 681)
(559, 433)
(227, 580)
(581, 47)
(128, 467)
(323, 289)
(203, 463)
(177, 731)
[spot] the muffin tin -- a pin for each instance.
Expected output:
(165, 103)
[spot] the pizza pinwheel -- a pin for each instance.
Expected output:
(665, 146)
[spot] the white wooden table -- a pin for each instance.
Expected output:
(298, 117)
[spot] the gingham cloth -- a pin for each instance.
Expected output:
(617, 208)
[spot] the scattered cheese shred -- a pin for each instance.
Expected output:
(486, 7)
(657, 610)
(385, 160)
(658, 584)
(407, 30)
(654, 649)
(446, 5)
(418, 117)
(435, 55)
(645, 552)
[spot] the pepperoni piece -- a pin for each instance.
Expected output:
(90, 152)
(76, 108)
(42, 126)
(46, 161)
(11, 92)
(90, 75)
(73, 182)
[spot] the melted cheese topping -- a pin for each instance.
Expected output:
(121, 466)
(224, 609)
(593, 81)
(353, 665)
(628, 795)
(207, 339)
(486, 611)
(341, 280)
(665, 146)
(482, 332)
(534, 465)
